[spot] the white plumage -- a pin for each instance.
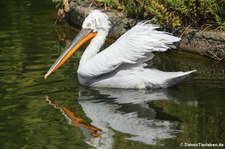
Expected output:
(134, 45)
(121, 65)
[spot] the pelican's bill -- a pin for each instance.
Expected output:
(83, 36)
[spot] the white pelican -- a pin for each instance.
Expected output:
(121, 65)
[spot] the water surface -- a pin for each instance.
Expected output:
(59, 113)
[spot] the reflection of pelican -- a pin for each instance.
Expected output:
(134, 118)
(126, 111)
(122, 111)
(122, 64)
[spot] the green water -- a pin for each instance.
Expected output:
(32, 110)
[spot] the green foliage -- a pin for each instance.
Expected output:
(175, 13)
(112, 3)
(59, 3)
(134, 9)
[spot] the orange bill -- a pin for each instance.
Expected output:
(83, 36)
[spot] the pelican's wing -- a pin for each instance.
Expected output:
(133, 47)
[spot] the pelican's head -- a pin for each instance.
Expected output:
(95, 23)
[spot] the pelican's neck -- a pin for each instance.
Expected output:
(94, 46)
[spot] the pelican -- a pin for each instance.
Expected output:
(121, 65)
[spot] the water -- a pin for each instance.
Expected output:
(59, 113)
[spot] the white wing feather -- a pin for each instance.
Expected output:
(131, 47)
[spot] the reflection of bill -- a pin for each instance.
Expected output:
(73, 119)
(94, 136)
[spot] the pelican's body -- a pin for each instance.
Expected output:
(121, 65)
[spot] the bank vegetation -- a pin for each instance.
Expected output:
(174, 13)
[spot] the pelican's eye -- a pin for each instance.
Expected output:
(89, 25)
